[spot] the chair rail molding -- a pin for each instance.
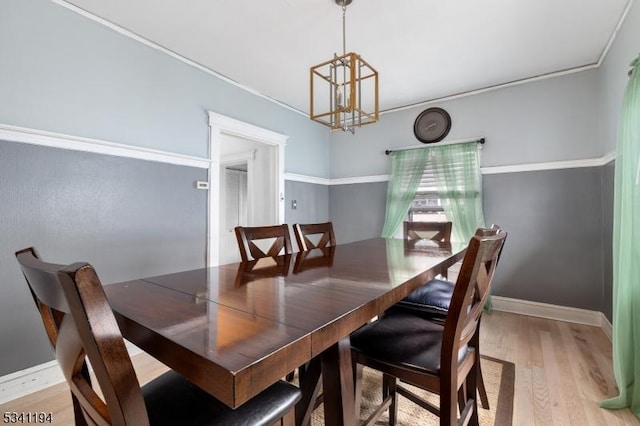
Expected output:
(490, 170)
(76, 143)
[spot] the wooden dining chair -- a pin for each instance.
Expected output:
(437, 231)
(248, 235)
(432, 301)
(322, 232)
(81, 327)
(417, 235)
(442, 359)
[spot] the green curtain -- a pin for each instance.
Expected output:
(407, 167)
(459, 183)
(626, 252)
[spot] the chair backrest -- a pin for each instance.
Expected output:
(470, 293)
(303, 231)
(246, 236)
(80, 324)
(441, 231)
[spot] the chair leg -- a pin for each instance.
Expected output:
(472, 396)
(77, 412)
(357, 386)
(462, 397)
(448, 404)
(390, 388)
(482, 392)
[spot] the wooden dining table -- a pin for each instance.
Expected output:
(235, 329)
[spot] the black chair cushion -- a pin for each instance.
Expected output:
(404, 339)
(430, 299)
(173, 400)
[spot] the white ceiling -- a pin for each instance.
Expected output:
(422, 49)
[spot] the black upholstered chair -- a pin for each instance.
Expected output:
(81, 327)
(432, 301)
(441, 358)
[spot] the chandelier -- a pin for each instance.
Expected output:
(344, 90)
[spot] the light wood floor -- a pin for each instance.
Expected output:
(562, 371)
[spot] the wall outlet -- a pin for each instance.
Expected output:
(294, 204)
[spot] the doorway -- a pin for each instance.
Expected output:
(246, 181)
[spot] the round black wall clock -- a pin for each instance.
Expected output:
(432, 125)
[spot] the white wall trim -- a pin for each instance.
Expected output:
(551, 165)
(187, 61)
(171, 53)
(38, 377)
(492, 88)
(491, 170)
(76, 143)
(221, 124)
(623, 17)
(307, 179)
(361, 179)
(553, 312)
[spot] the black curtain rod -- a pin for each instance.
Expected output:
(389, 151)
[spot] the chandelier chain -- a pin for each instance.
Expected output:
(344, 27)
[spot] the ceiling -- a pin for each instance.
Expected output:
(422, 49)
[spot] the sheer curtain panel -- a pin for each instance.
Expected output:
(626, 252)
(459, 182)
(406, 170)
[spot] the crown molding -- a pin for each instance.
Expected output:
(171, 53)
(212, 72)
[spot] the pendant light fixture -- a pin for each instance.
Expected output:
(344, 90)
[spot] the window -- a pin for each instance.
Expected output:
(426, 205)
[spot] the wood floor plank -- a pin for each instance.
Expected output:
(562, 371)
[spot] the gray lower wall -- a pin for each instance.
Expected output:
(554, 251)
(312, 204)
(129, 218)
(357, 210)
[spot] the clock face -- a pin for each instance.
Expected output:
(432, 125)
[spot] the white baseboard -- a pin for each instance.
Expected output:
(553, 312)
(38, 377)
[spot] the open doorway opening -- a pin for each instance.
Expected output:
(246, 181)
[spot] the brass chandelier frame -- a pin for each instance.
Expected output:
(344, 77)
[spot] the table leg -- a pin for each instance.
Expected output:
(337, 384)
(309, 376)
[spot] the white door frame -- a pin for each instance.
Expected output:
(218, 125)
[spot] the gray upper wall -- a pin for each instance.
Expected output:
(570, 117)
(65, 73)
(613, 78)
(546, 120)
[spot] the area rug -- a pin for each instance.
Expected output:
(499, 379)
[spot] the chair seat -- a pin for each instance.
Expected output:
(172, 400)
(431, 299)
(401, 338)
